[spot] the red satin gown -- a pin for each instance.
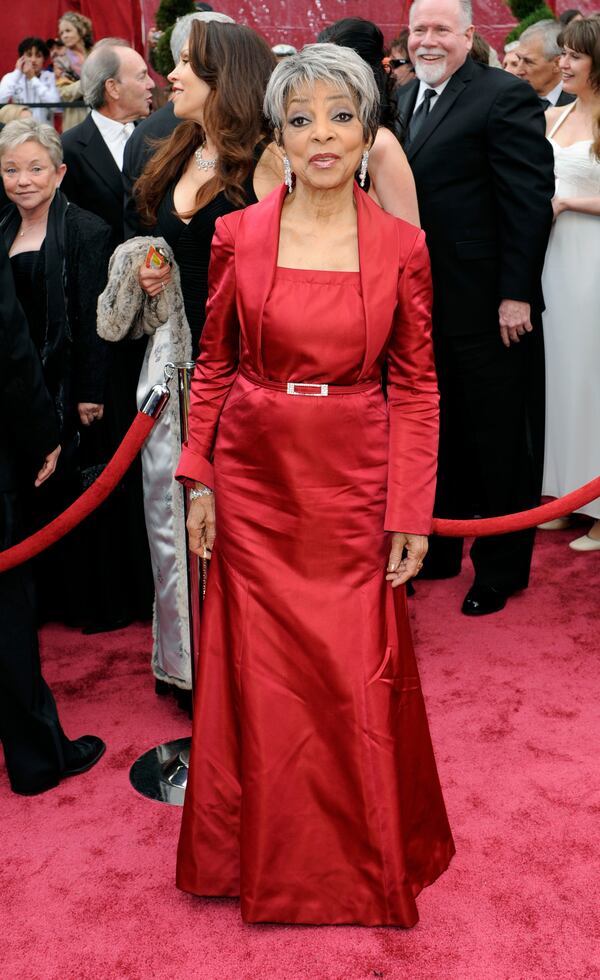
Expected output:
(313, 792)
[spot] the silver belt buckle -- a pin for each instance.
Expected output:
(323, 390)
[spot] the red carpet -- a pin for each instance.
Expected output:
(86, 876)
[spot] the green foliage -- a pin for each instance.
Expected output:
(540, 13)
(522, 8)
(169, 10)
(161, 58)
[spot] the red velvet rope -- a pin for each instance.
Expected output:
(525, 518)
(84, 505)
(135, 438)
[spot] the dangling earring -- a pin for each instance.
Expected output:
(364, 163)
(287, 174)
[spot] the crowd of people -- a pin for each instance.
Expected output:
(404, 237)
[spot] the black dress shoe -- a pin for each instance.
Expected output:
(481, 600)
(82, 754)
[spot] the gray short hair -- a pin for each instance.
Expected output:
(183, 26)
(340, 67)
(547, 31)
(31, 131)
(103, 63)
(465, 8)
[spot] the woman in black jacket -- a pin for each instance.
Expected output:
(59, 256)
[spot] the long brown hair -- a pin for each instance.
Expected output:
(236, 63)
(584, 36)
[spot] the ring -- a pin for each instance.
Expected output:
(162, 285)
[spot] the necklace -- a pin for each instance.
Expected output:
(203, 164)
(34, 224)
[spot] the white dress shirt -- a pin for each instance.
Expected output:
(438, 89)
(554, 95)
(115, 135)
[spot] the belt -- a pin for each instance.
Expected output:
(309, 388)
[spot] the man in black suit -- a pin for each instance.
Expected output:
(36, 751)
(474, 137)
(139, 149)
(538, 53)
(117, 87)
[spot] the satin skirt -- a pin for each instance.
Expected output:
(313, 792)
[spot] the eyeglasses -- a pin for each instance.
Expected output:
(399, 62)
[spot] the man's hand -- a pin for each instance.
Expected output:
(89, 412)
(48, 467)
(514, 318)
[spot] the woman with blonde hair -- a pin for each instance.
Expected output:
(75, 32)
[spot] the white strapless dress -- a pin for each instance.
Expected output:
(571, 283)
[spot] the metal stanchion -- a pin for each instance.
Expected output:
(161, 773)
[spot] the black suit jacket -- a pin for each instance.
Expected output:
(138, 150)
(565, 99)
(93, 180)
(484, 175)
(28, 425)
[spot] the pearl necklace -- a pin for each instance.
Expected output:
(33, 225)
(203, 164)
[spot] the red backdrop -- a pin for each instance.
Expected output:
(294, 21)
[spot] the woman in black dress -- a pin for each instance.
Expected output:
(218, 160)
(59, 257)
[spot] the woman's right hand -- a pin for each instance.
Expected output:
(153, 281)
(201, 525)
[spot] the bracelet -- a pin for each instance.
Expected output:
(203, 492)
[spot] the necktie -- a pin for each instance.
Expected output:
(546, 103)
(128, 129)
(421, 114)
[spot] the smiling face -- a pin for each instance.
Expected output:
(575, 68)
(189, 93)
(542, 73)
(30, 178)
(68, 34)
(323, 136)
(439, 39)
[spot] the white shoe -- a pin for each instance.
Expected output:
(585, 543)
(558, 524)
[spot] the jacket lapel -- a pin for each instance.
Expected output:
(454, 88)
(378, 274)
(99, 158)
(256, 249)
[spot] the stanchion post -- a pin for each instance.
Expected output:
(161, 773)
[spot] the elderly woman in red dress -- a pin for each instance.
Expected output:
(313, 792)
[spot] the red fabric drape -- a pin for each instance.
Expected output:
(295, 21)
(123, 18)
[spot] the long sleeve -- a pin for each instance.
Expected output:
(522, 166)
(26, 409)
(412, 400)
(217, 364)
(88, 254)
(11, 84)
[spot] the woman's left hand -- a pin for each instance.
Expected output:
(89, 412)
(402, 566)
(558, 206)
